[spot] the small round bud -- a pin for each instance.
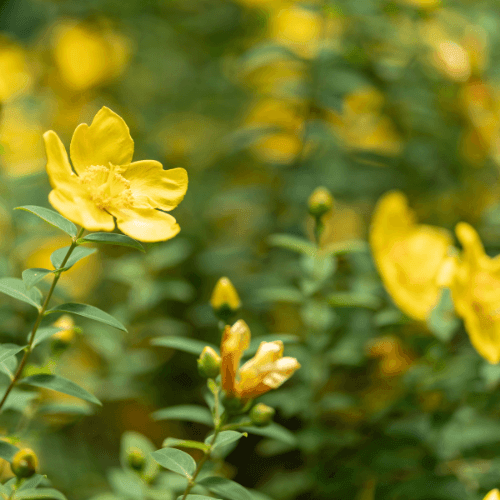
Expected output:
(65, 336)
(209, 363)
(320, 202)
(261, 415)
(225, 300)
(25, 463)
(136, 459)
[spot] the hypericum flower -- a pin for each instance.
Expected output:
(106, 184)
(475, 290)
(225, 300)
(410, 257)
(267, 370)
(493, 495)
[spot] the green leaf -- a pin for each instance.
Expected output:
(293, 243)
(7, 450)
(225, 437)
(189, 413)
(17, 289)
(442, 321)
(274, 431)
(131, 440)
(78, 253)
(112, 239)
(60, 384)
(176, 461)
(32, 482)
(42, 493)
(197, 497)
(184, 443)
(345, 247)
(8, 350)
(44, 333)
(33, 276)
(53, 218)
(192, 346)
(349, 299)
(87, 311)
(225, 488)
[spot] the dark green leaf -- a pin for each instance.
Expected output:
(191, 346)
(7, 450)
(78, 253)
(184, 443)
(225, 488)
(274, 431)
(59, 384)
(112, 239)
(17, 289)
(190, 413)
(90, 312)
(42, 493)
(53, 218)
(8, 350)
(44, 333)
(176, 461)
(225, 437)
(33, 276)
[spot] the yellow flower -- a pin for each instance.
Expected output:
(411, 258)
(107, 184)
(67, 332)
(15, 77)
(225, 296)
(493, 495)
(475, 292)
(267, 370)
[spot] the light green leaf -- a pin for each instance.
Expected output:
(280, 294)
(197, 497)
(274, 431)
(7, 450)
(90, 312)
(225, 488)
(442, 321)
(189, 413)
(349, 299)
(44, 333)
(32, 482)
(131, 440)
(184, 443)
(293, 243)
(39, 493)
(176, 461)
(17, 289)
(112, 239)
(8, 350)
(225, 437)
(60, 384)
(192, 346)
(78, 253)
(53, 218)
(33, 276)
(345, 247)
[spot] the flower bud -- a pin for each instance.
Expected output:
(261, 415)
(209, 363)
(225, 300)
(25, 463)
(66, 335)
(320, 202)
(136, 459)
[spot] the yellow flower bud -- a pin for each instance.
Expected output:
(493, 495)
(225, 300)
(209, 363)
(25, 463)
(320, 202)
(136, 458)
(261, 415)
(67, 332)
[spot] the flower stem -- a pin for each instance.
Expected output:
(41, 314)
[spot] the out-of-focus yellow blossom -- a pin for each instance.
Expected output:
(409, 256)
(394, 360)
(362, 124)
(20, 135)
(67, 332)
(493, 495)
(14, 75)
(87, 55)
(452, 60)
(283, 142)
(267, 370)
(475, 292)
(423, 4)
(107, 184)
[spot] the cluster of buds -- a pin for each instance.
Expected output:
(24, 463)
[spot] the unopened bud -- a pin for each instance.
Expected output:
(320, 202)
(25, 463)
(136, 459)
(225, 300)
(261, 415)
(209, 363)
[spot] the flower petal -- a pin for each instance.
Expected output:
(106, 141)
(235, 340)
(154, 187)
(58, 166)
(146, 224)
(78, 208)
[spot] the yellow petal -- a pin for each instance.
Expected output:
(147, 224)
(76, 207)
(106, 141)
(153, 187)
(58, 167)
(268, 352)
(493, 495)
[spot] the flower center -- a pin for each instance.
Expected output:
(107, 188)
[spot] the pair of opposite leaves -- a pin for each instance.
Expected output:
(416, 261)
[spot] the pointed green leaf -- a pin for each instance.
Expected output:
(192, 346)
(184, 443)
(53, 218)
(176, 461)
(33, 276)
(225, 488)
(39, 493)
(293, 243)
(189, 413)
(349, 299)
(17, 289)
(78, 253)
(60, 384)
(90, 312)
(7, 450)
(225, 437)
(274, 431)
(112, 239)
(44, 333)
(32, 482)
(8, 350)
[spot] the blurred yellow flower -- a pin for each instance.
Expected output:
(453, 60)
(14, 75)
(67, 329)
(87, 55)
(267, 370)
(493, 495)
(475, 292)
(107, 184)
(410, 257)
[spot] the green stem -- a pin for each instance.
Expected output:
(41, 314)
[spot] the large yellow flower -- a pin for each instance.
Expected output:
(106, 184)
(410, 257)
(475, 292)
(267, 370)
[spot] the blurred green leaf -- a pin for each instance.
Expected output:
(274, 431)
(53, 218)
(17, 289)
(442, 321)
(350, 299)
(192, 346)
(39, 493)
(32, 482)
(293, 243)
(33, 276)
(189, 413)
(176, 461)
(8, 350)
(225, 488)
(183, 443)
(112, 239)
(78, 253)
(43, 334)
(131, 440)
(7, 450)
